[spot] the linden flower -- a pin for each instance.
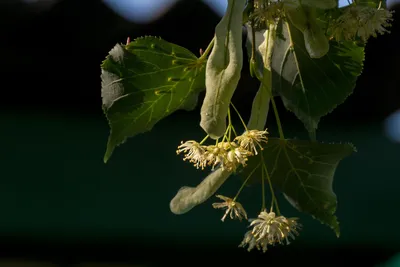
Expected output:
(214, 156)
(194, 152)
(234, 209)
(251, 241)
(226, 154)
(270, 230)
(250, 139)
(376, 22)
(274, 229)
(235, 157)
(361, 21)
(227, 145)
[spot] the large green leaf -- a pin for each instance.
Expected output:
(303, 171)
(311, 88)
(144, 82)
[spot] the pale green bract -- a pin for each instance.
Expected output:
(223, 70)
(260, 107)
(189, 197)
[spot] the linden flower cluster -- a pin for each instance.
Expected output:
(228, 155)
(268, 229)
(266, 11)
(362, 22)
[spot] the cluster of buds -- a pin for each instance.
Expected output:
(362, 22)
(228, 155)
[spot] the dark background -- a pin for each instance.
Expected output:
(61, 204)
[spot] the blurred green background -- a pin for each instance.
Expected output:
(55, 184)
(56, 187)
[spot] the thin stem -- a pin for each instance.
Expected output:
(240, 117)
(208, 50)
(228, 131)
(245, 181)
(234, 131)
(272, 189)
(230, 124)
(204, 139)
(263, 207)
(272, 205)
(253, 35)
(225, 134)
(253, 47)
(278, 120)
(277, 207)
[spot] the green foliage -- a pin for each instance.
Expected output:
(312, 88)
(302, 58)
(303, 171)
(145, 81)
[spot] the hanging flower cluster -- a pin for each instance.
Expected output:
(268, 229)
(266, 12)
(356, 20)
(362, 22)
(234, 208)
(229, 155)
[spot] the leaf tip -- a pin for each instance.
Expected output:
(106, 158)
(352, 147)
(335, 226)
(109, 151)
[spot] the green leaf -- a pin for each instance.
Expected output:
(304, 172)
(311, 88)
(144, 82)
